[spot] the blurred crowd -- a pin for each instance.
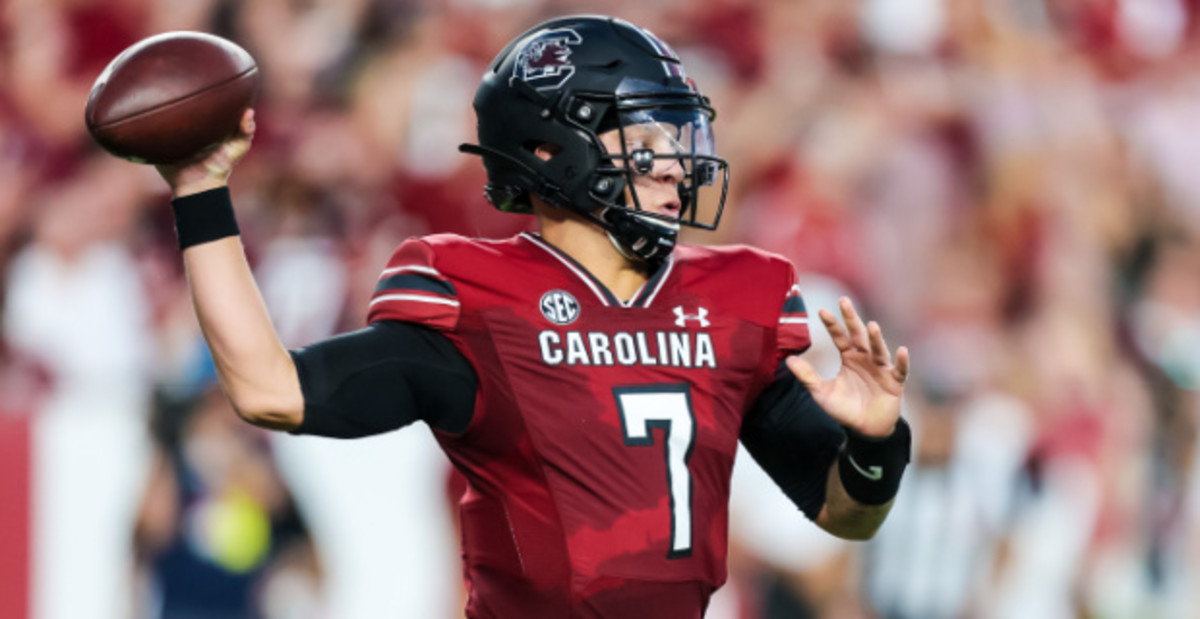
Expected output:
(1006, 185)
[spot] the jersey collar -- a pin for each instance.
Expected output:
(642, 298)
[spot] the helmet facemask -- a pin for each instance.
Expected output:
(648, 138)
(654, 146)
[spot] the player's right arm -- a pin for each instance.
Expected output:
(252, 364)
(370, 381)
(255, 370)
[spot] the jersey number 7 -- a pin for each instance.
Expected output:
(668, 406)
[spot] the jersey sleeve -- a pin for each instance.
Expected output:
(792, 336)
(411, 289)
(793, 440)
(382, 378)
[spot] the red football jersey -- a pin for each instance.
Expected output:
(604, 433)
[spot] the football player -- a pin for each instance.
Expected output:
(590, 381)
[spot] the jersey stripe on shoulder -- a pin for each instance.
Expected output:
(411, 289)
(413, 268)
(794, 312)
(793, 335)
(415, 282)
(414, 297)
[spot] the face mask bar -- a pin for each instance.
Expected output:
(653, 140)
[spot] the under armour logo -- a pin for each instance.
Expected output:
(681, 317)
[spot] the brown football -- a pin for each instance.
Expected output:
(171, 97)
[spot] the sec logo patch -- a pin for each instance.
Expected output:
(559, 307)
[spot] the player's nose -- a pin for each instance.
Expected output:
(669, 171)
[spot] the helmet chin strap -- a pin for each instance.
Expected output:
(621, 249)
(640, 239)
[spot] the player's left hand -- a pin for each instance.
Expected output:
(865, 394)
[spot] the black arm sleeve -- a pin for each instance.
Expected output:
(793, 440)
(384, 377)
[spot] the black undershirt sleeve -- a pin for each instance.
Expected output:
(384, 377)
(793, 440)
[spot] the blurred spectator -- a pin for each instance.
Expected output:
(938, 553)
(375, 568)
(74, 303)
(217, 535)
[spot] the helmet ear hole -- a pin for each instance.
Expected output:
(543, 150)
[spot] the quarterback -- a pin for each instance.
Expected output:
(592, 380)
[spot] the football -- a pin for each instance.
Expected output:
(171, 97)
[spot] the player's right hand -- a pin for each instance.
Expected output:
(211, 170)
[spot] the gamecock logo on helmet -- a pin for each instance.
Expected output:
(545, 60)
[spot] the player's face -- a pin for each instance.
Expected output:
(655, 151)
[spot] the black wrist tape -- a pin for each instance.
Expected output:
(203, 217)
(870, 468)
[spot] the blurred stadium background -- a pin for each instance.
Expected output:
(1009, 186)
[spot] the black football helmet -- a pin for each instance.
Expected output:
(558, 87)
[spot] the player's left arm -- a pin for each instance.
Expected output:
(864, 399)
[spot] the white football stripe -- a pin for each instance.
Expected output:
(793, 321)
(414, 297)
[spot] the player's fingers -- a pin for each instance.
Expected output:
(805, 373)
(237, 146)
(837, 332)
(247, 126)
(900, 372)
(879, 349)
(235, 151)
(854, 325)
